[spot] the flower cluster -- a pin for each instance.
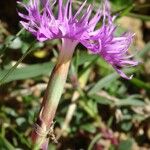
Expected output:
(80, 27)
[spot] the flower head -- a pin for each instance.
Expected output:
(80, 28)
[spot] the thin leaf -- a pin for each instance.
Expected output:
(28, 71)
(139, 83)
(85, 57)
(101, 100)
(107, 80)
(5, 144)
(143, 52)
(142, 17)
(2, 80)
(130, 102)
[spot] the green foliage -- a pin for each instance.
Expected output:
(126, 144)
(27, 72)
(104, 100)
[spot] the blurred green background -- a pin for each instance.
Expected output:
(98, 110)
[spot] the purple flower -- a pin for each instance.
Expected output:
(80, 27)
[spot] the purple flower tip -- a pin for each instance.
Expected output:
(81, 28)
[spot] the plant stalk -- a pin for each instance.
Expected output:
(52, 95)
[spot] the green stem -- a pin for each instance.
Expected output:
(95, 139)
(139, 16)
(53, 93)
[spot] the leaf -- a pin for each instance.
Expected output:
(127, 10)
(5, 144)
(88, 108)
(88, 127)
(143, 52)
(139, 83)
(130, 102)
(4, 77)
(101, 100)
(94, 140)
(9, 111)
(8, 43)
(87, 67)
(28, 71)
(85, 57)
(125, 145)
(107, 80)
(142, 17)
(126, 126)
(21, 137)
(16, 43)
(84, 77)
(103, 82)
